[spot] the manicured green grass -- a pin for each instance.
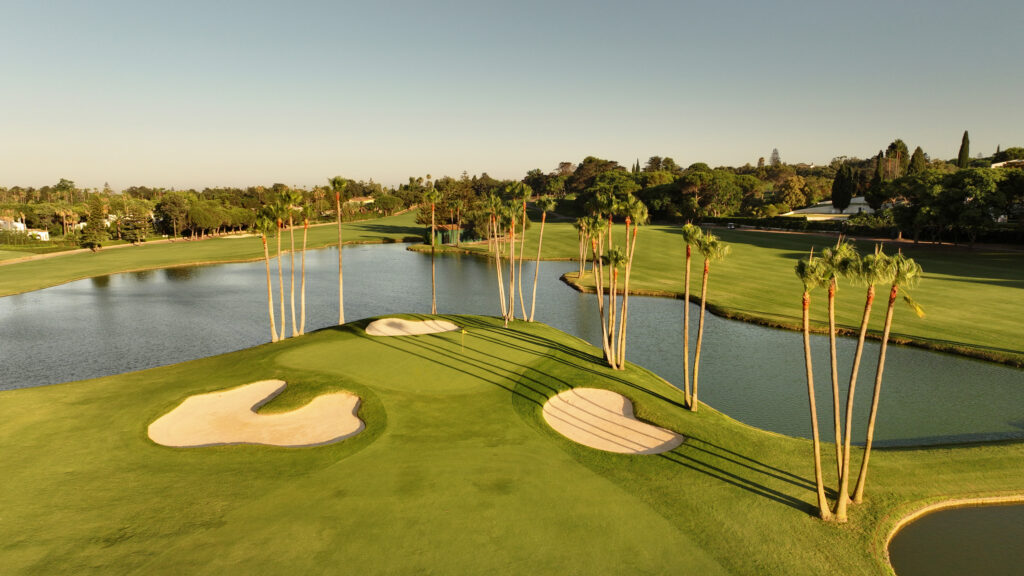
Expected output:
(33, 275)
(456, 473)
(11, 254)
(972, 299)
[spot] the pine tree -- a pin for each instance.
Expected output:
(842, 188)
(918, 163)
(94, 234)
(964, 158)
(776, 159)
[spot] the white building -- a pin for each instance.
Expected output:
(825, 210)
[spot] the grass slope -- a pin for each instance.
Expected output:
(35, 274)
(456, 473)
(973, 299)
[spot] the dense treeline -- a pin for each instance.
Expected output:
(961, 199)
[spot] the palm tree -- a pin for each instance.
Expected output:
(510, 213)
(810, 273)
(692, 236)
(870, 270)
(277, 210)
(711, 249)
(265, 226)
(521, 193)
(581, 230)
(636, 214)
(458, 205)
(432, 195)
(291, 200)
(906, 274)
(545, 204)
(596, 229)
(306, 212)
(494, 208)
(836, 262)
(338, 185)
(616, 258)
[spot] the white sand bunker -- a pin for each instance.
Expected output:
(229, 417)
(604, 420)
(400, 327)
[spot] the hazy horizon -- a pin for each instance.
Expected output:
(192, 94)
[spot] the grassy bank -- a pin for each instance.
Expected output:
(972, 298)
(455, 460)
(35, 274)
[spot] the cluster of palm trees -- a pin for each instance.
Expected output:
(596, 231)
(272, 220)
(504, 218)
(843, 261)
(712, 249)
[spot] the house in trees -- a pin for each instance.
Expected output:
(825, 210)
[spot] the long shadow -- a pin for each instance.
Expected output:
(736, 480)
(753, 465)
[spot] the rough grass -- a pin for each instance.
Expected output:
(456, 473)
(972, 298)
(33, 275)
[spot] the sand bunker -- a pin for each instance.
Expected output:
(229, 417)
(604, 420)
(400, 327)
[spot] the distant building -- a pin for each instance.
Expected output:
(1009, 164)
(825, 210)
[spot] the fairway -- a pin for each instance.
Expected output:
(456, 472)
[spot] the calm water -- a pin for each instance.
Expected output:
(959, 541)
(114, 324)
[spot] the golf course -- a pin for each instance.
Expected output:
(454, 464)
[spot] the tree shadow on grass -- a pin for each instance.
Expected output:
(693, 457)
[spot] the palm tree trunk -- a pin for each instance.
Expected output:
(291, 232)
(583, 256)
(433, 272)
(835, 374)
(522, 247)
(280, 282)
(511, 273)
(844, 476)
(598, 270)
(621, 344)
(858, 493)
(536, 267)
(458, 235)
(497, 261)
(613, 282)
(686, 331)
(270, 293)
(341, 300)
(700, 337)
(823, 511)
(305, 238)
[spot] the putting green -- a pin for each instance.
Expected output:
(456, 472)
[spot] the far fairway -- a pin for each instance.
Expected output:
(456, 472)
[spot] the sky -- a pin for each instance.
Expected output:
(235, 93)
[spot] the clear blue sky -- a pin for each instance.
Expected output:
(208, 93)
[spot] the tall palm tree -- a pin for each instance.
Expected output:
(616, 258)
(338, 185)
(306, 213)
(692, 236)
(596, 230)
(432, 195)
(636, 215)
(545, 204)
(265, 225)
(511, 210)
(711, 249)
(905, 274)
(810, 273)
(836, 263)
(521, 193)
(871, 270)
(494, 208)
(458, 204)
(291, 200)
(278, 211)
